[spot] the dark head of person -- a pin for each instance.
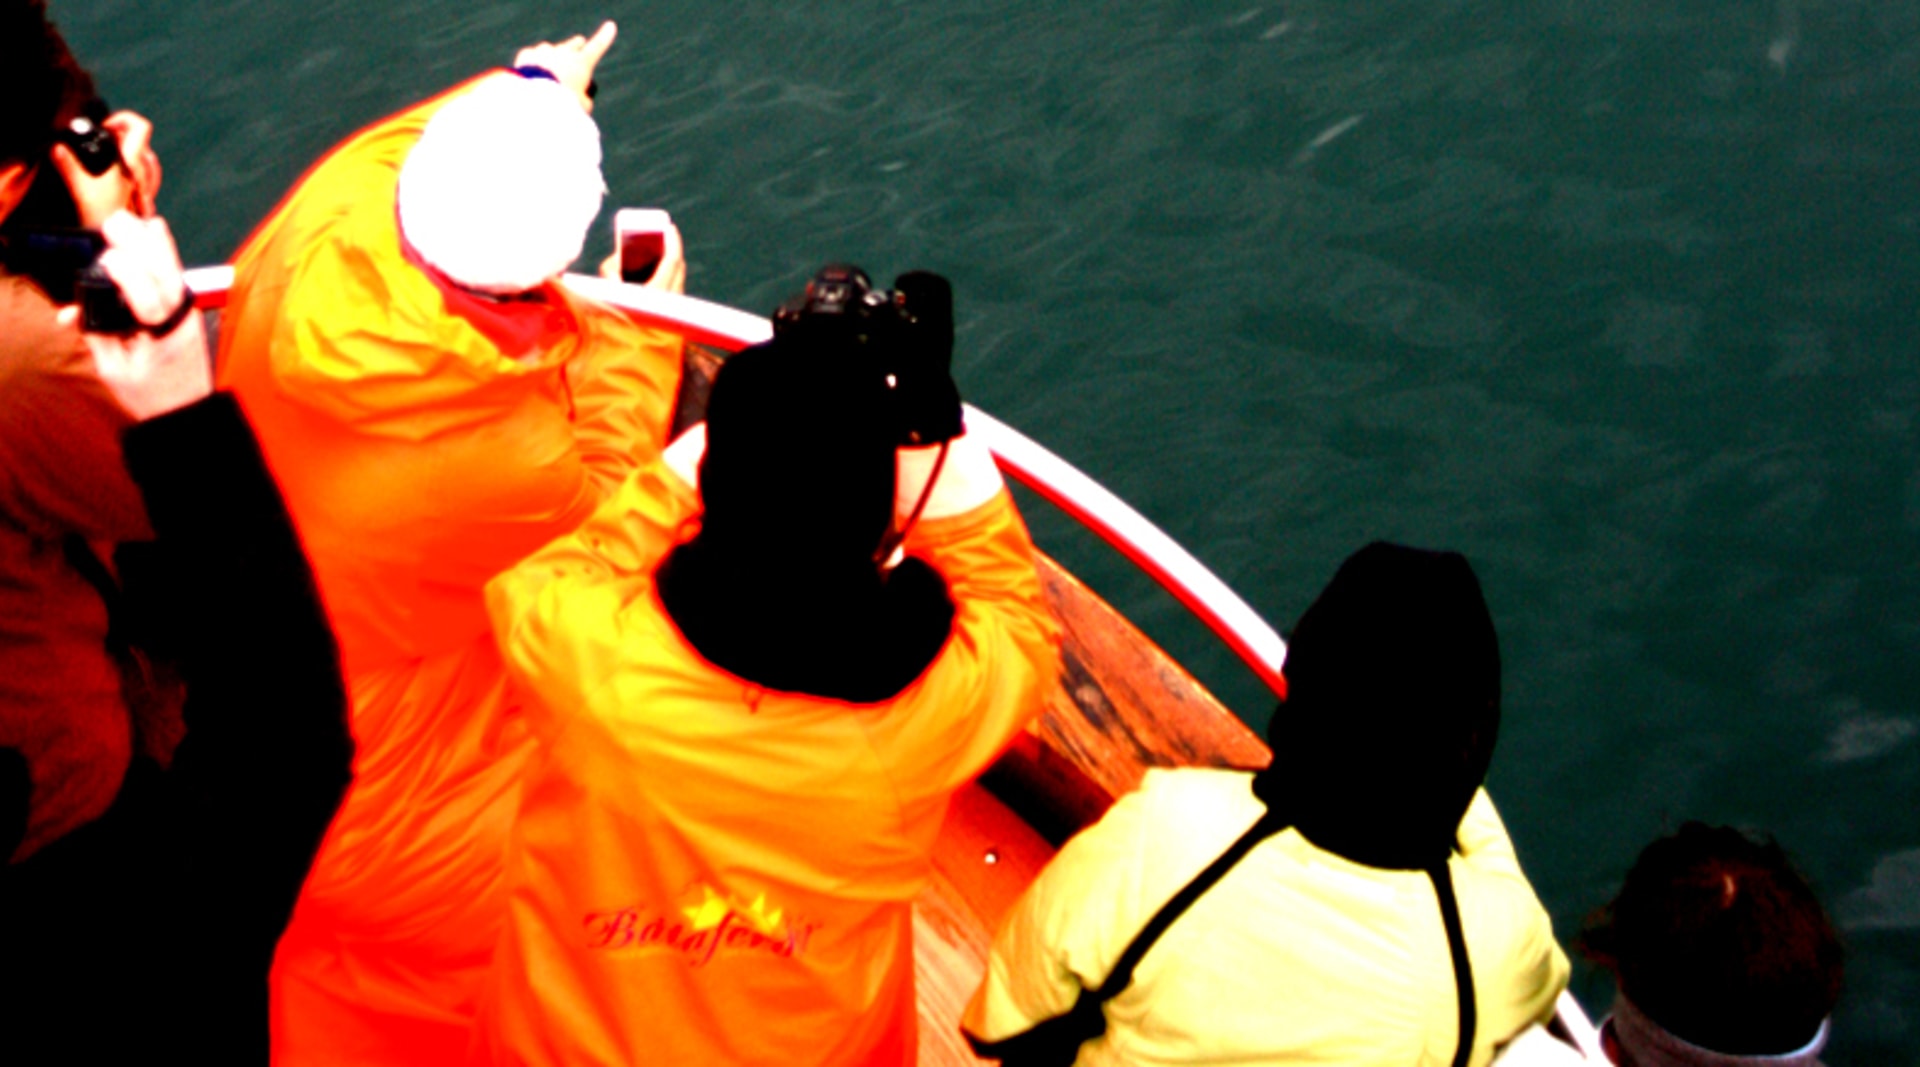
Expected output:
(1392, 709)
(782, 585)
(44, 91)
(1715, 939)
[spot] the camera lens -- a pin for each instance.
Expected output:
(92, 144)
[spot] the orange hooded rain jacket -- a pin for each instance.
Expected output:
(709, 872)
(418, 460)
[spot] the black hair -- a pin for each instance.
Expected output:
(41, 84)
(1716, 937)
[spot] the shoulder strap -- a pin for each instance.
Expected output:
(1056, 1042)
(1122, 975)
(1442, 879)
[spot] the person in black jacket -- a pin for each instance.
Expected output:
(150, 931)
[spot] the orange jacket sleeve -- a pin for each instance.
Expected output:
(624, 383)
(365, 338)
(1003, 656)
(558, 614)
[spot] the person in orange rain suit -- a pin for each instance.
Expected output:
(434, 406)
(750, 731)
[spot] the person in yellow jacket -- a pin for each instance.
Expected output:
(1371, 910)
(434, 406)
(751, 721)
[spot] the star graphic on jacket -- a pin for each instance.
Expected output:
(710, 912)
(764, 921)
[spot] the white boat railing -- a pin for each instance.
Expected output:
(1059, 482)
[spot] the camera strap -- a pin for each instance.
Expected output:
(1056, 1042)
(898, 536)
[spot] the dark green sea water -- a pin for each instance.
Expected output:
(1621, 299)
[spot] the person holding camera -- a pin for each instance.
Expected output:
(760, 673)
(435, 405)
(163, 912)
(66, 728)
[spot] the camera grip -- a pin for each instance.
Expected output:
(929, 399)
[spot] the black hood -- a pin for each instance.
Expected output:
(780, 586)
(1392, 709)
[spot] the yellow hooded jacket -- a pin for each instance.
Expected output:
(418, 458)
(1296, 956)
(709, 872)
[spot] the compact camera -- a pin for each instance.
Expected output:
(906, 331)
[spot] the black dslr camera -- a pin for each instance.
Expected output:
(841, 301)
(907, 331)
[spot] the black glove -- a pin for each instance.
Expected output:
(929, 402)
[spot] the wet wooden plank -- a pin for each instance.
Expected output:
(984, 859)
(1122, 706)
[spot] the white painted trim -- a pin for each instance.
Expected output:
(210, 285)
(1150, 549)
(700, 321)
(1579, 1027)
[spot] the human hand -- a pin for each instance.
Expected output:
(149, 375)
(670, 276)
(572, 60)
(135, 134)
(133, 185)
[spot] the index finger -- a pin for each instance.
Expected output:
(602, 40)
(135, 135)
